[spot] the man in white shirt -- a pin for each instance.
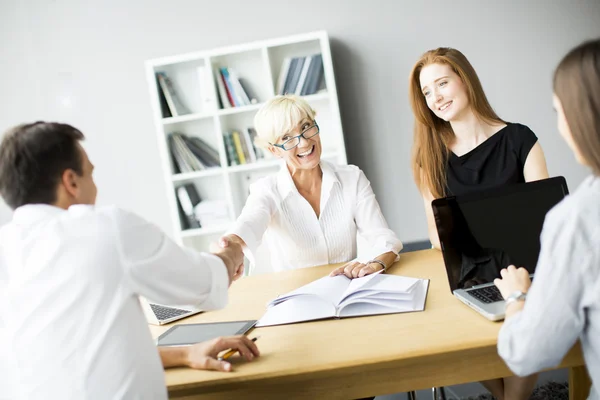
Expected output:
(71, 326)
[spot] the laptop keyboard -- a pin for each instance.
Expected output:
(163, 313)
(489, 294)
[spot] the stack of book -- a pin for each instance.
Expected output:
(191, 154)
(212, 213)
(233, 90)
(240, 147)
(170, 103)
(301, 75)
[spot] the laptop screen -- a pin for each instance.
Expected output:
(481, 233)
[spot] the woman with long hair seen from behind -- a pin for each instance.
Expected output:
(546, 319)
(461, 145)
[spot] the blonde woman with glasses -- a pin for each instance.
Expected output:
(310, 212)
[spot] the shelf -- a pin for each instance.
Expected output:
(254, 107)
(254, 166)
(196, 174)
(203, 231)
(316, 97)
(238, 110)
(186, 118)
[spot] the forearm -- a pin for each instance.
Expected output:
(174, 356)
(514, 308)
(387, 258)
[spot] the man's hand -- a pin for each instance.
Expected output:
(355, 269)
(513, 280)
(231, 252)
(204, 355)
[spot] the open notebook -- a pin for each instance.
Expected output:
(340, 297)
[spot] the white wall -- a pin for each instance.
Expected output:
(83, 62)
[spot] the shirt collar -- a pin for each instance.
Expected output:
(285, 184)
(34, 212)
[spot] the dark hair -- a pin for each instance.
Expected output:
(577, 86)
(33, 158)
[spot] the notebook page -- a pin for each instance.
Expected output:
(380, 283)
(327, 288)
(297, 309)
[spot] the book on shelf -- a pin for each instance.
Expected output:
(314, 80)
(238, 147)
(260, 153)
(235, 102)
(283, 74)
(164, 107)
(191, 154)
(208, 156)
(190, 161)
(176, 107)
(224, 100)
(232, 157)
(248, 90)
(295, 73)
(249, 149)
(301, 75)
(209, 103)
(341, 297)
(188, 199)
(238, 90)
(233, 87)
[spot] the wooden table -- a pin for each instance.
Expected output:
(446, 344)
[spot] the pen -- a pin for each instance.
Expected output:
(233, 351)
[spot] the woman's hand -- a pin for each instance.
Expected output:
(513, 280)
(226, 241)
(204, 355)
(355, 269)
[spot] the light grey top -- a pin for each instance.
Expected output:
(563, 304)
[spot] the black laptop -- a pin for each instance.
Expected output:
(484, 232)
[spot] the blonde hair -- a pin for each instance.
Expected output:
(280, 115)
(433, 135)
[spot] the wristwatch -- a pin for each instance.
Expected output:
(515, 296)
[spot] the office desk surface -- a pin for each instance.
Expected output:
(446, 344)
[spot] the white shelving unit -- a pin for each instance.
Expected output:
(259, 64)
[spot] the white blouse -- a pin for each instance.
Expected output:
(297, 238)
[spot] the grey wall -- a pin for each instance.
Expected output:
(83, 62)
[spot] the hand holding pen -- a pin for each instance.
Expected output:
(204, 355)
(233, 351)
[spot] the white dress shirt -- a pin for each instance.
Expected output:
(297, 238)
(563, 303)
(72, 324)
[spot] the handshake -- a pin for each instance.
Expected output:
(230, 250)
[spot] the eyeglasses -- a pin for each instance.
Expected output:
(295, 141)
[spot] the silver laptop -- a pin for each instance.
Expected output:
(159, 314)
(481, 233)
